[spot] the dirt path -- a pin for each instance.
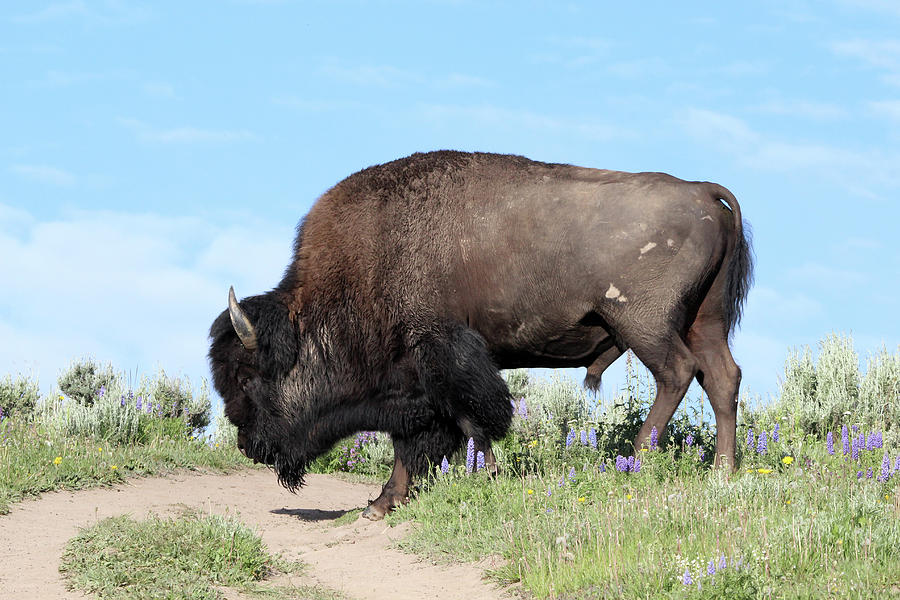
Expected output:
(354, 558)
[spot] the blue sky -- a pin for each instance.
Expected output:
(152, 154)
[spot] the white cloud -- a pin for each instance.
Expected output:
(44, 174)
(369, 75)
(880, 54)
(159, 89)
(520, 119)
(138, 290)
(886, 108)
(802, 108)
(184, 135)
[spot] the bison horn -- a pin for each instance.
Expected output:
(242, 325)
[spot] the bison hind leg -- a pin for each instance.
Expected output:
(601, 363)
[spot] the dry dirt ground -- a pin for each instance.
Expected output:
(356, 559)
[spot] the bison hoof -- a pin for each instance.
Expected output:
(373, 512)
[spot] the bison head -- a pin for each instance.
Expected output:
(253, 359)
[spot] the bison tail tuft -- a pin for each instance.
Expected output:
(739, 269)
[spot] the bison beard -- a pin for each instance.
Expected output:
(413, 282)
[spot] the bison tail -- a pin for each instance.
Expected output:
(739, 265)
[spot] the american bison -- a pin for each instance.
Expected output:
(413, 282)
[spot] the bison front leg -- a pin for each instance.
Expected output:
(394, 493)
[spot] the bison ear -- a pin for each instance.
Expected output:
(242, 325)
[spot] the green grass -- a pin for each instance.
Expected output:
(35, 458)
(808, 529)
(193, 557)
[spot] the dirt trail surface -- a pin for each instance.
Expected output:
(355, 559)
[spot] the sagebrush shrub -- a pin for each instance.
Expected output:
(18, 396)
(84, 379)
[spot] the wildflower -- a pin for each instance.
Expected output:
(762, 446)
(479, 464)
(445, 466)
(775, 436)
(592, 438)
(621, 464)
(582, 499)
(549, 491)
(722, 563)
(711, 568)
(530, 492)
(470, 455)
(513, 404)
(637, 466)
(602, 467)
(570, 439)
(102, 391)
(572, 474)
(869, 473)
(113, 467)
(533, 444)
(750, 438)
(829, 441)
(628, 496)
(654, 437)
(845, 440)
(686, 578)
(700, 453)
(57, 460)
(645, 449)
(896, 464)
(523, 409)
(689, 440)
(138, 405)
(99, 449)
(885, 469)
(764, 471)
(122, 401)
(854, 449)
(631, 463)
(584, 440)
(787, 460)
(859, 474)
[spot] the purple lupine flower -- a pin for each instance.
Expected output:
(445, 465)
(859, 474)
(845, 440)
(637, 466)
(592, 438)
(630, 463)
(102, 391)
(1, 413)
(603, 466)
(750, 438)
(854, 449)
(869, 473)
(654, 437)
(869, 441)
(879, 441)
(689, 440)
(829, 441)
(479, 461)
(722, 563)
(775, 436)
(711, 568)
(570, 439)
(700, 452)
(621, 464)
(122, 400)
(897, 463)
(584, 441)
(513, 404)
(686, 578)
(762, 446)
(572, 474)
(138, 405)
(523, 409)
(855, 429)
(885, 468)
(549, 491)
(470, 455)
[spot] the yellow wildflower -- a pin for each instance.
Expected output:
(57, 460)
(787, 460)
(582, 499)
(113, 467)
(99, 449)
(629, 496)
(840, 542)
(530, 492)
(645, 450)
(788, 502)
(764, 471)
(533, 443)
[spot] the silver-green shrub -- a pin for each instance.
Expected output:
(84, 379)
(18, 396)
(175, 397)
